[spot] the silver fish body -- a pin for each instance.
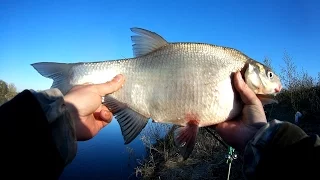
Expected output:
(187, 84)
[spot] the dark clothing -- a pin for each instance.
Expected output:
(38, 141)
(291, 154)
(38, 135)
(28, 149)
(285, 152)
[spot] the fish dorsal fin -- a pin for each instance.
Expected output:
(147, 41)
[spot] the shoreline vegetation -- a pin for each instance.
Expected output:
(208, 160)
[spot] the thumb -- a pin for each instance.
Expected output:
(111, 86)
(247, 95)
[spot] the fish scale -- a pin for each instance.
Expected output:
(187, 84)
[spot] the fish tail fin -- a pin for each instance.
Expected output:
(58, 72)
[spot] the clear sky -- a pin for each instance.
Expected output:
(93, 30)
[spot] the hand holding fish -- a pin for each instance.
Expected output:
(238, 132)
(86, 109)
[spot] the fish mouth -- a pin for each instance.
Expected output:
(270, 98)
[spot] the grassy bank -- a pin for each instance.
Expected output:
(207, 161)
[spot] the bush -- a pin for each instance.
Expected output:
(301, 90)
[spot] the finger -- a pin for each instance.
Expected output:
(111, 86)
(247, 95)
(106, 116)
(103, 114)
(80, 85)
(87, 83)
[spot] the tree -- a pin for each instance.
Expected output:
(3, 91)
(318, 83)
(301, 87)
(289, 75)
(7, 91)
(267, 62)
(12, 91)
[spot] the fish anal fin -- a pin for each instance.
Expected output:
(147, 41)
(185, 137)
(131, 122)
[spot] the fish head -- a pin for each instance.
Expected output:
(263, 81)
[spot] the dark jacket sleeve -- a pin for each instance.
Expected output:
(282, 150)
(28, 146)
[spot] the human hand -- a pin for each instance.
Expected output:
(85, 107)
(239, 131)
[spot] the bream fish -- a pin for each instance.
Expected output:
(186, 84)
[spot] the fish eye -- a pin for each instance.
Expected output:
(270, 74)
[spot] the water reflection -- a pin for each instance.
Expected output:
(105, 156)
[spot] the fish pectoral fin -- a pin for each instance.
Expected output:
(185, 139)
(130, 121)
(147, 41)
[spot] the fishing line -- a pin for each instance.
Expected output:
(215, 136)
(231, 151)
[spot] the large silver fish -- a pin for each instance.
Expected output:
(187, 84)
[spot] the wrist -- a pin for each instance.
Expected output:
(256, 145)
(51, 102)
(61, 124)
(252, 130)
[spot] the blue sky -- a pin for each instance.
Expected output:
(93, 30)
